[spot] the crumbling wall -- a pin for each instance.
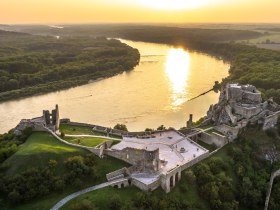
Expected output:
(247, 112)
(142, 160)
(121, 173)
(271, 121)
(145, 187)
(230, 132)
(213, 138)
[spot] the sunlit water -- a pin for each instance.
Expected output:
(156, 92)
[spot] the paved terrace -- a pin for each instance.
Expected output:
(169, 144)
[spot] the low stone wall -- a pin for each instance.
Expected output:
(120, 183)
(247, 112)
(195, 161)
(144, 187)
(206, 138)
(117, 154)
(213, 138)
(106, 130)
(117, 173)
(219, 140)
(230, 132)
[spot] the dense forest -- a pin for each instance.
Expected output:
(35, 64)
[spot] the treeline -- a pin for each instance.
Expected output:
(9, 143)
(39, 182)
(144, 32)
(35, 64)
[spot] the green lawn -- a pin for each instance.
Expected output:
(81, 130)
(76, 130)
(86, 141)
(39, 148)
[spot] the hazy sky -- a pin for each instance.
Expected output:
(178, 11)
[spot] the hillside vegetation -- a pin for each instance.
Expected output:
(43, 170)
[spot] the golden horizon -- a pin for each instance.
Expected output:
(138, 11)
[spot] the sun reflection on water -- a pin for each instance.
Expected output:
(177, 68)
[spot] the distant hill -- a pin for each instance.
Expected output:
(145, 32)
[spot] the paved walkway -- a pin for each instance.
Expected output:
(76, 194)
(273, 176)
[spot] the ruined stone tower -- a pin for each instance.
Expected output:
(51, 118)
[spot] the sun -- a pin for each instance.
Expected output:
(176, 4)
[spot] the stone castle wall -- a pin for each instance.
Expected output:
(271, 120)
(142, 160)
(230, 132)
(246, 112)
(213, 138)
(146, 187)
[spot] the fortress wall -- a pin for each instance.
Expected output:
(116, 173)
(219, 140)
(196, 160)
(255, 97)
(104, 130)
(146, 187)
(246, 112)
(206, 138)
(120, 183)
(117, 154)
(271, 120)
(230, 132)
(214, 138)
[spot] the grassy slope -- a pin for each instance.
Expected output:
(38, 150)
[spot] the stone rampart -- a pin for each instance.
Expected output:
(271, 121)
(247, 112)
(117, 173)
(195, 161)
(230, 132)
(146, 187)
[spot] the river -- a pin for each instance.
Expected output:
(156, 92)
